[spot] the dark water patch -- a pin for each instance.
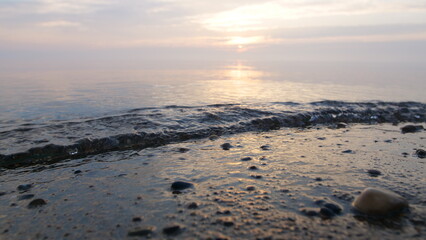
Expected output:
(152, 127)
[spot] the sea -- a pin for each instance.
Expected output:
(51, 114)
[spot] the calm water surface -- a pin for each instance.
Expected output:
(66, 94)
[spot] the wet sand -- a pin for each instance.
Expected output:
(268, 185)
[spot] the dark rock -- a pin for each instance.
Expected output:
(250, 188)
(177, 192)
(318, 179)
(193, 205)
(182, 150)
(172, 230)
(25, 197)
(310, 212)
(348, 151)
(321, 138)
(265, 147)
(226, 146)
(421, 153)
(341, 125)
(24, 187)
(2, 193)
(37, 203)
(256, 176)
(77, 171)
(411, 128)
(147, 232)
(246, 159)
(179, 185)
(252, 168)
(137, 219)
(228, 223)
(374, 173)
(326, 212)
(333, 207)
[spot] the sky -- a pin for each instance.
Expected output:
(360, 30)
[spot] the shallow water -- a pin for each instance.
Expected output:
(100, 196)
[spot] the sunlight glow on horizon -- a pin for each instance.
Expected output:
(236, 26)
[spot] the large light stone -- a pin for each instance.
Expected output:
(374, 201)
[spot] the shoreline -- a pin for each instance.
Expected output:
(261, 188)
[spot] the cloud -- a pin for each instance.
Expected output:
(59, 23)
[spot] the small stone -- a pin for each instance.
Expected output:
(179, 185)
(25, 197)
(193, 205)
(326, 212)
(333, 207)
(421, 153)
(348, 151)
(379, 202)
(226, 146)
(252, 168)
(24, 187)
(256, 176)
(172, 230)
(142, 233)
(37, 203)
(228, 223)
(183, 150)
(318, 179)
(177, 192)
(137, 219)
(251, 188)
(2, 193)
(310, 212)
(411, 128)
(77, 171)
(374, 173)
(246, 159)
(341, 125)
(265, 147)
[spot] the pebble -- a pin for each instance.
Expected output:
(347, 151)
(246, 159)
(24, 187)
(374, 173)
(183, 150)
(252, 168)
(142, 233)
(179, 185)
(341, 125)
(25, 197)
(326, 212)
(265, 147)
(251, 188)
(333, 207)
(37, 203)
(411, 128)
(226, 146)
(172, 230)
(193, 205)
(374, 201)
(310, 212)
(77, 171)
(256, 176)
(421, 153)
(136, 219)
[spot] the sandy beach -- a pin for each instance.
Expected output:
(268, 185)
